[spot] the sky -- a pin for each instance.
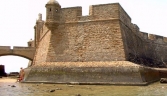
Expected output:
(18, 17)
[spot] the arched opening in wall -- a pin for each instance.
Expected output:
(13, 63)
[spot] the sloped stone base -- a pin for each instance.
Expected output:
(115, 72)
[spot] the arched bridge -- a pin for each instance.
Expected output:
(26, 52)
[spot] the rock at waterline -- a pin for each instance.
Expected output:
(163, 80)
(13, 86)
(78, 95)
(52, 90)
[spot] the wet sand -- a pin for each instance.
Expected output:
(9, 87)
(8, 79)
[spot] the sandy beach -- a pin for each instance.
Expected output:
(8, 79)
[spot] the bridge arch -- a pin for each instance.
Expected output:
(25, 52)
(17, 55)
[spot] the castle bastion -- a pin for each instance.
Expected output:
(104, 47)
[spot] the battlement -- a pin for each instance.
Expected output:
(104, 11)
(165, 39)
(151, 36)
(112, 11)
(157, 38)
(96, 12)
(135, 28)
(70, 14)
(154, 38)
(144, 35)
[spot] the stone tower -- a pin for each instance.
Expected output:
(38, 29)
(52, 14)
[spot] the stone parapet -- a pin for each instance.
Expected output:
(70, 14)
(144, 35)
(116, 72)
(23, 48)
(152, 37)
(157, 39)
(96, 13)
(5, 47)
(165, 39)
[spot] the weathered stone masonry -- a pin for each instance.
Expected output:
(89, 38)
(71, 47)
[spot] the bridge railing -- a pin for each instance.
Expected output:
(22, 48)
(5, 47)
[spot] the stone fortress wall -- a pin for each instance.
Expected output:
(90, 49)
(154, 38)
(77, 35)
(96, 13)
(80, 31)
(143, 48)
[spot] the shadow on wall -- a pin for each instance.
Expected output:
(145, 61)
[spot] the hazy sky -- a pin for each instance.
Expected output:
(18, 17)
